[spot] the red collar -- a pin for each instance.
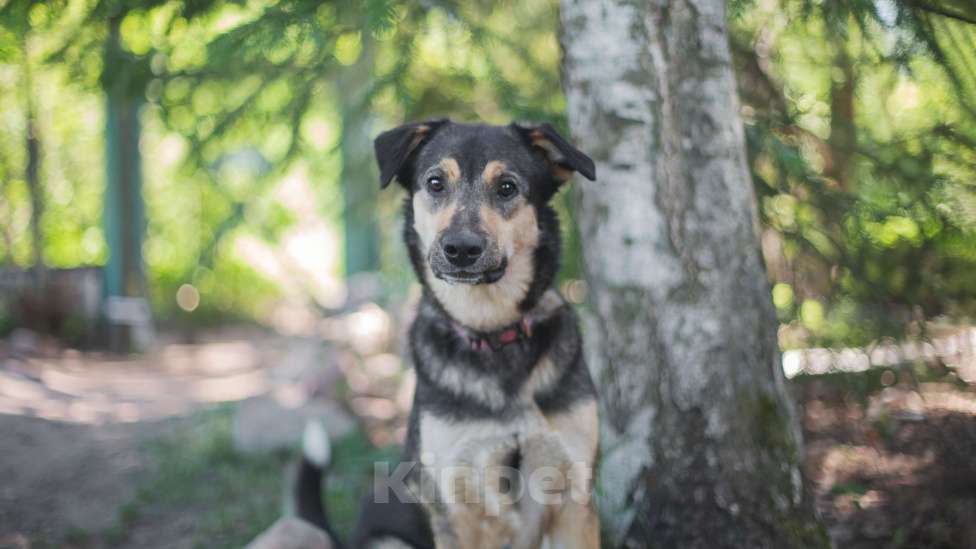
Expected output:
(485, 341)
(520, 330)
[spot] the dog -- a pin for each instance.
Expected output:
(502, 435)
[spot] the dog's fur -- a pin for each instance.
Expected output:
(481, 406)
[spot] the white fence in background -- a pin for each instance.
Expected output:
(955, 347)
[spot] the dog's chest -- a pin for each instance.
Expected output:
(571, 432)
(482, 442)
(496, 479)
(462, 454)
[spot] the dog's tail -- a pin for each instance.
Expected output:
(316, 458)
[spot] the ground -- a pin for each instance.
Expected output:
(150, 451)
(890, 457)
(42, 457)
(140, 452)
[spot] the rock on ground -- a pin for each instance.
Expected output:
(263, 424)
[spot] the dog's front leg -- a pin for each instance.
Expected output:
(557, 503)
(548, 483)
(453, 521)
(575, 526)
(472, 511)
(466, 525)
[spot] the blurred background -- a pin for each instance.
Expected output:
(195, 255)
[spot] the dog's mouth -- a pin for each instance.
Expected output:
(488, 276)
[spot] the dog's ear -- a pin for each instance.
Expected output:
(563, 158)
(394, 147)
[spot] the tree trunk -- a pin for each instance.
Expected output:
(843, 131)
(359, 190)
(32, 176)
(129, 322)
(700, 445)
(124, 215)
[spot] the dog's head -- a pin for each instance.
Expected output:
(477, 213)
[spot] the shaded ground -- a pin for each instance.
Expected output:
(41, 458)
(143, 451)
(892, 466)
(81, 435)
(100, 452)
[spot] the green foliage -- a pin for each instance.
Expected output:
(860, 121)
(67, 124)
(861, 129)
(239, 96)
(232, 496)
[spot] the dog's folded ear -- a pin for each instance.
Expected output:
(563, 158)
(394, 147)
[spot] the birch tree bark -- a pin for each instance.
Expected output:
(701, 447)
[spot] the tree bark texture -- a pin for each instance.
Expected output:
(700, 443)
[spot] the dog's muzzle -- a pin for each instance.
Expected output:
(466, 257)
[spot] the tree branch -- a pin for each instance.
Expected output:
(938, 10)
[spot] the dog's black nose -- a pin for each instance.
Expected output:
(462, 248)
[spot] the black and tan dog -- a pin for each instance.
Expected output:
(503, 432)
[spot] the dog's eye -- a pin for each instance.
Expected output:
(507, 188)
(435, 184)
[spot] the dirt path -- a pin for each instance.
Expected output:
(41, 458)
(74, 426)
(74, 429)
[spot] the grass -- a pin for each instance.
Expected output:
(226, 498)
